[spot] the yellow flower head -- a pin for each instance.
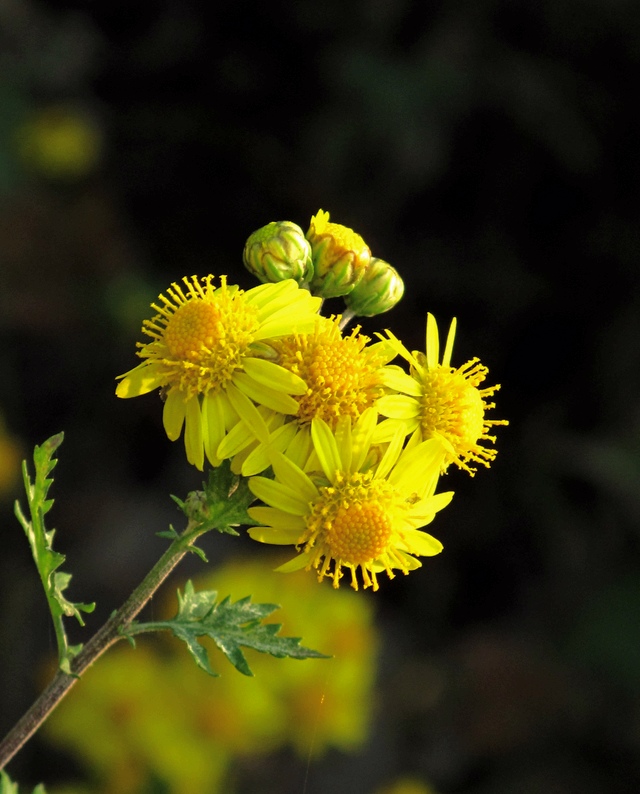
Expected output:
(340, 256)
(437, 401)
(345, 508)
(344, 377)
(205, 354)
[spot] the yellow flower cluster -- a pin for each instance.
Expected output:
(342, 447)
(192, 737)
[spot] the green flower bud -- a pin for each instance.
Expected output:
(378, 290)
(279, 251)
(340, 257)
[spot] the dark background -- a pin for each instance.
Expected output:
(489, 150)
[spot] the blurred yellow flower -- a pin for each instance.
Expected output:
(60, 142)
(128, 720)
(344, 508)
(437, 401)
(150, 713)
(209, 354)
(321, 703)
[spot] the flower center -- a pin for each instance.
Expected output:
(201, 337)
(340, 372)
(453, 407)
(193, 331)
(351, 522)
(359, 533)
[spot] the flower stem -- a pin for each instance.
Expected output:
(110, 633)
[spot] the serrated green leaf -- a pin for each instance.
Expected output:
(40, 539)
(230, 625)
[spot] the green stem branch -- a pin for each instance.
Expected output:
(110, 633)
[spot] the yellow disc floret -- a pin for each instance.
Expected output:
(452, 407)
(342, 374)
(441, 402)
(209, 355)
(352, 519)
(358, 512)
(200, 337)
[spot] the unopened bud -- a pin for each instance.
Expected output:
(340, 257)
(379, 289)
(279, 251)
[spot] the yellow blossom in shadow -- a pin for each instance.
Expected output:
(438, 401)
(150, 713)
(60, 142)
(321, 703)
(209, 354)
(126, 721)
(354, 509)
(344, 377)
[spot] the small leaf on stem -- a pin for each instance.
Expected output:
(230, 626)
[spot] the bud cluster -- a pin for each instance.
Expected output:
(331, 261)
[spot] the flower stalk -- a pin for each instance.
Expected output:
(112, 631)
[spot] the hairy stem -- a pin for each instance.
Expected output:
(110, 633)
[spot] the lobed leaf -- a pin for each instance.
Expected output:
(47, 560)
(231, 626)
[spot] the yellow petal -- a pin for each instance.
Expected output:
(398, 406)
(326, 448)
(173, 414)
(448, 350)
(276, 494)
(415, 465)
(193, 433)
(433, 343)
(248, 413)
(394, 378)
(263, 395)
(422, 543)
(213, 425)
(291, 475)
(277, 537)
(236, 440)
(141, 380)
(272, 517)
(301, 561)
(361, 437)
(274, 376)
(258, 459)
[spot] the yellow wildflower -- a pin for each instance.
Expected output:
(209, 353)
(355, 509)
(438, 401)
(344, 377)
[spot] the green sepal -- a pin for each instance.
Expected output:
(221, 504)
(40, 539)
(170, 533)
(230, 626)
(7, 786)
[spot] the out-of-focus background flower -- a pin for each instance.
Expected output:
(488, 151)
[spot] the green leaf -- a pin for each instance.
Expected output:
(8, 787)
(40, 539)
(230, 625)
